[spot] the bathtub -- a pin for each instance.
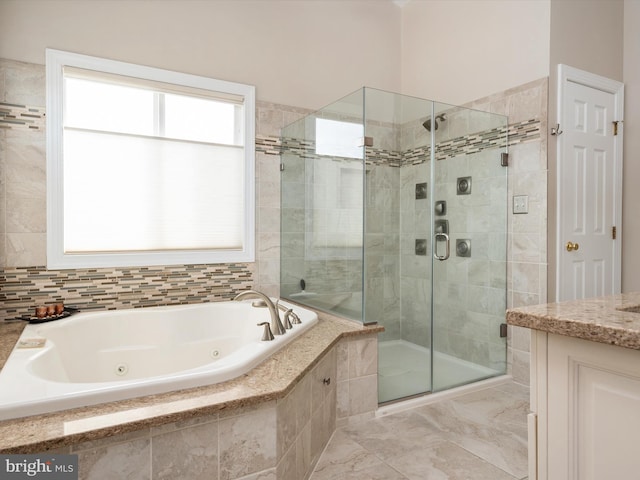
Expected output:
(96, 357)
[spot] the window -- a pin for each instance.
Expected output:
(146, 166)
(339, 139)
(337, 191)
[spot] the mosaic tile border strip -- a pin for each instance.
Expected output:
(21, 116)
(113, 288)
(466, 145)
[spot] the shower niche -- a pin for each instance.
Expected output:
(377, 222)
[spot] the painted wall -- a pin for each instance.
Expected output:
(587, 35)
(630, 190)
(456, 52)
(287, 48)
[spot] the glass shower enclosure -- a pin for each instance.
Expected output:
(394, 211)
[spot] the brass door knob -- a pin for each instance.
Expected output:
(571, 247)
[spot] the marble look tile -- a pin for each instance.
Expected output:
(103, 443)
(445, 460)
(363, 394)
(343, 455)
(520, 368)
(25, 215)
(188, 453)
(342, 359)
(269, 474)
(363, 357)
(303, 403)
(342, 399)
(515, 389)
(286, 423)
(287, 468)
(395, 435)
(520, 338)
(491, 408)
(303, 452)
(268, 219)
(503, 444)
(24, 83)
(268, 245)
(317, 440)
(480, 435)
(268, 167)
(26, 249)
(247, 443)
(125, 460)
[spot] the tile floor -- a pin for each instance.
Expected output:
(477, 436)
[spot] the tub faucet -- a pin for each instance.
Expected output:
(276, 324)
(290, 317)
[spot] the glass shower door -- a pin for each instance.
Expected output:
(470, 242)
(397, 246)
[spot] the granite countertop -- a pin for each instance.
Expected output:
(272, 379)
(614, 320)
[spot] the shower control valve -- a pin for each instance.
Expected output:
(463, 185)
(463, 247)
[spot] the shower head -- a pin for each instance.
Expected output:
(427, 124)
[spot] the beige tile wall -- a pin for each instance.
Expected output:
(527, 240)
(357, 379)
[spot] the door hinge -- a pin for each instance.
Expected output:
(615, 126)
(503, 330)
(504, 159)
(282, 167)
(613, 232)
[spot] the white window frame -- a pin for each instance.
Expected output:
(56, 60)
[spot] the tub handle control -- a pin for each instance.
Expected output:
(287, 321)
(295, 319)
(267, 336)
(290, 317)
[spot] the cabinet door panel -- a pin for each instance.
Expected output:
(593, 414)
(608, 424)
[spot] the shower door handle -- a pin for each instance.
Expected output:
(435, 246)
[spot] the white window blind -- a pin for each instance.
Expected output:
(148, 171)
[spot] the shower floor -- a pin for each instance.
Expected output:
(404, 370)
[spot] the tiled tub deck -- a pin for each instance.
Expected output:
(272, 423)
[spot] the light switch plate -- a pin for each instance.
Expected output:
(520, 204)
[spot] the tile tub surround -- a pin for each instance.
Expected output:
(272, 380)
(614, 320)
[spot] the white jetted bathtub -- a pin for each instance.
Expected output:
(98, 357)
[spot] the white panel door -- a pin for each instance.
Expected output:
(588, 171)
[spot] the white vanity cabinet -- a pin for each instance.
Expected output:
(585, 403)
